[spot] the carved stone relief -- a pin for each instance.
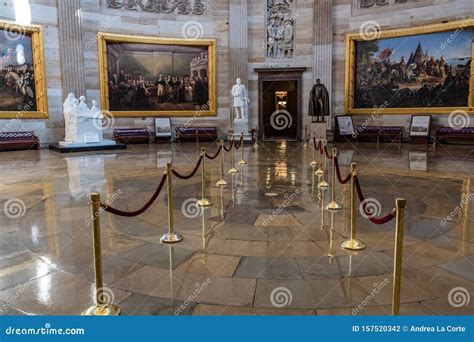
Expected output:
(280, 29)
(372, 3)
(192, 7)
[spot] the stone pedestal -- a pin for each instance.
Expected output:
(241, 126)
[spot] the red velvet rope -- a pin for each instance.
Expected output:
(180, 176)
(326, 152)
(240, 143)
(321, 148)
(380, 220)
(118, 212)
(316, 144)
(227, 149)
(215, 155)
(338, 173)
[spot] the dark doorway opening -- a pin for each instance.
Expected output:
(280, 110)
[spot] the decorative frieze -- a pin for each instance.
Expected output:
(280, 29)
(372, 3)
(186, 7)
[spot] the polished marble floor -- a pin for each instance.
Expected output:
(265, 246)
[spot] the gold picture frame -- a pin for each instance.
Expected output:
(350, 69)
(210, 109)
(14, 33)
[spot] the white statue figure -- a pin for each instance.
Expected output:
(241, 100)
(70, 119)
(96, 112)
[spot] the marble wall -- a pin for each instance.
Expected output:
(347, 17)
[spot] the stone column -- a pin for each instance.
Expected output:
(238, 54)
(322, 47)
(71, 47)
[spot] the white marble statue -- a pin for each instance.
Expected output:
(83, 125)
(241, 100)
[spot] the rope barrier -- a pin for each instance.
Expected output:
(329, 156)
(216, 155)
(227, 149)
(316, 144)
(240, 143)
(180, 176)
(118, 212)
(377, 220)
(338, 173)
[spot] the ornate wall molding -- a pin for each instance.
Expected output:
(375, 3)
(186, 7)
(280, 29)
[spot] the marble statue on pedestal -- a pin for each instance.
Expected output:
(83, 125)
(240, 109)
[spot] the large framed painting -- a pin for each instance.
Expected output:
(22, 72)
(152, 77)
(411, 71)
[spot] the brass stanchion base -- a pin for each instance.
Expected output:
(171, 238)
(242, 162)
(354, 244)
(203, 203)
(221, 183)
(333, 206)
(102, 310)
(319, 172)
(233, 171)
(255, 146)
(323, 184)
(313, 163)
(305, 145)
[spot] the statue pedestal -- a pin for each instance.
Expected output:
(67, 147)
(241, 126)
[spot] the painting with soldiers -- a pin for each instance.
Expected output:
(424, 70)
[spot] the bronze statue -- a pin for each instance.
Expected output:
(318, 102)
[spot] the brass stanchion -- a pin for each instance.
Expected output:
(203, 202)
(333, 205)
(222, 182)
(314, 162)
(171, 236)
(353, 243)
(242, 161)
(397, 263)
(319, 171)
(100, 308)
(232, 169)
(323, 183)
(255, 144)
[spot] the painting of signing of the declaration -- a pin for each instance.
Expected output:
(414, 71)
(164, 77)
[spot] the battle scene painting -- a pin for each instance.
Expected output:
(424, 70)
(157, 77)
(17, 75)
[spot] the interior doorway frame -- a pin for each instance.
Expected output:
(294, 74)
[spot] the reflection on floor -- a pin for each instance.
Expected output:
(251, 252)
